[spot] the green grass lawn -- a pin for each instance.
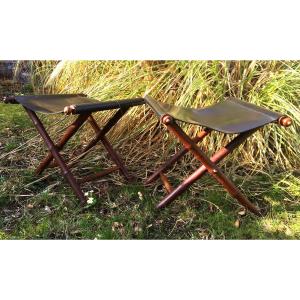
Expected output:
(44, 207)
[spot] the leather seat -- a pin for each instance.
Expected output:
(53, 104)
(229, 116)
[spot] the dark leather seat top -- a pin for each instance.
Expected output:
(53, 104)
(228, 116)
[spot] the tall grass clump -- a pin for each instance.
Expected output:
(272, 84)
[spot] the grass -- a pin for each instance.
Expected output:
(272, 84)
(31, 208)
(44, 207)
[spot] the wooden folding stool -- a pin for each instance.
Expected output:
(84, 107)
(231, 116)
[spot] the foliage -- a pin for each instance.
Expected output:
(272, 84)
(44, 207)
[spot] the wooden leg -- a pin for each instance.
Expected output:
(110, 124)
(217, 157)
(71, 130)
(65, 170)
(176, 157)
(109, 148)
(208, 165)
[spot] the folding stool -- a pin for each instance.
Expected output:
(84, 107)
(231, 116)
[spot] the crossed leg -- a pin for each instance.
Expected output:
(55, 154)
(176, 157)
(100, 136)
(113, 154)
(208, 165)
(71, 130)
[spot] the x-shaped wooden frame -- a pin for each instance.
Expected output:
(71, 130)
(208, 164)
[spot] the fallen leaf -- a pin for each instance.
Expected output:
(140, 196)
(136, 227)
(237, 223)
(47, 209)
(116, 226)
(158, 222)
(242, 212)
(288, 231)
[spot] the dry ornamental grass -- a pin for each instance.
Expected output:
(272, 84)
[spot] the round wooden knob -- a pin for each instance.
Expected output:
(9, 99)
(285, 121)
(69, 109)
(166, 119)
